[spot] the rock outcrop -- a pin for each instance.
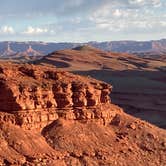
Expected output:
(136, 79)
(50, 117)
(32, 98)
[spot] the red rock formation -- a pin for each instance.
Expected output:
(50, 117)
(37, 97)
(136, 79)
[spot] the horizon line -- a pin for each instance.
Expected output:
(123, 40)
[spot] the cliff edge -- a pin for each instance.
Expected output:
(52, 117)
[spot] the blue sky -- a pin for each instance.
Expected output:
(82, 20)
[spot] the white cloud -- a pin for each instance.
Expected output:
(107, 13)
(113, 25)
(97, 18)
(141, 17)
(142, 24)
(137, 1)
(132, 25)
(35, 30)
(7, 30)
(76, 20)
(117, 13)
(155, 3)
(163, 23)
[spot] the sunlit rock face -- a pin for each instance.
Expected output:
(51, 117)
(34, 96)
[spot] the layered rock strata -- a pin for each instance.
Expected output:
(32, 98)
(73, 122)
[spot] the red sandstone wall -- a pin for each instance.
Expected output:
(37, 97)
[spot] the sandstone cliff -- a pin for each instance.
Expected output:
(32, 98)
(51, 117)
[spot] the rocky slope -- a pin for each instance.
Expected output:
(85, 58)
(135, 80)
(51, 117)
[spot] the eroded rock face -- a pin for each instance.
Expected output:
(73, 120)
(39, 95)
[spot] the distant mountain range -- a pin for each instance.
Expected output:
(17, 49)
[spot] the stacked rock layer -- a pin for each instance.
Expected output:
(32, 98)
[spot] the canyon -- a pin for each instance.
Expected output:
(53, 117)
(34, 49)
(138, 82)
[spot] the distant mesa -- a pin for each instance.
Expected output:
(85, 48)
(154, 48)
(87, 57)
(31, 52)
(28, 55)
(8, 51)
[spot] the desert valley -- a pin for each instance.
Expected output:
(83, 83)
(138, 79)
(50, 116)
